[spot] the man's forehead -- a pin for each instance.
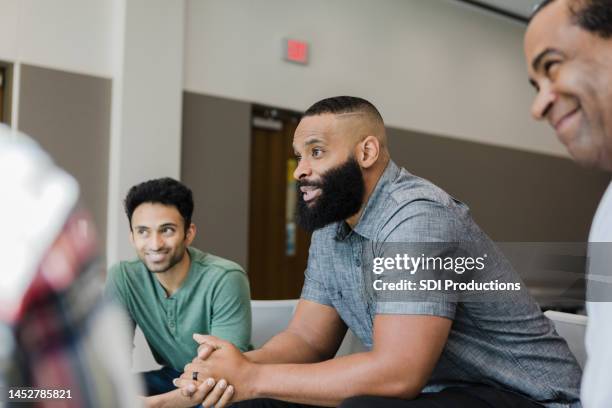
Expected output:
(550, 30)
(314, 127)
(547, 24)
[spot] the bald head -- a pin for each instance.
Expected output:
(358, 117)
(355, 112)
(338, 129)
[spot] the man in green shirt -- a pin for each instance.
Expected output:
(173, 291)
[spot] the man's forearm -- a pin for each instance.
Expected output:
(330, 382)
(286, 347)
(158, 401)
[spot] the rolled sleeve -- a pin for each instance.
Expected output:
(231, 317)
(441, 308)
(314, 288)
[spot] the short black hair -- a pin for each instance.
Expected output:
(166, 191)
(594, 16)
(343, 104)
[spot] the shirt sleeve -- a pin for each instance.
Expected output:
(314, 289)
(422, 229)
(112, 291)
(595, 390)
(231, 315)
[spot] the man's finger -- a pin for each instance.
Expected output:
(226, 398)
(213, 397)
(203, 390)
(212, 340)
(205, 350)
(187, 387)
(196, 365)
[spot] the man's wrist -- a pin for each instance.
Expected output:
(253, 383)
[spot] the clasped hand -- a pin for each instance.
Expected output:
(209, 375)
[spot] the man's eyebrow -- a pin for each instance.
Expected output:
(312, 141)
(168, 224)
(309, 142)
(538, 59)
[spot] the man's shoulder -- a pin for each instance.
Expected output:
(408, 195)
(213, 263)
(122, 269)
(407, 188)
(418, 206)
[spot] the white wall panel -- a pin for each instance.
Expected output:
(433, 66)
(71, 35)
(9, 17)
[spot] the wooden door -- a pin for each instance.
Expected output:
(278, 248)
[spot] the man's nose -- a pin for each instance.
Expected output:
(302, 170)
(542, 103)
(156, 241)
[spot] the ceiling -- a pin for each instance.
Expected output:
(517, 9)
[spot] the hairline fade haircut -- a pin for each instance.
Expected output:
(594, 16)
(344, 104)
(166, 191)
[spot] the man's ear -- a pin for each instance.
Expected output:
(190, 234)
(368, 151)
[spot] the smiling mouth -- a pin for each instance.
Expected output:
(309, 193)
(157, 256)
(565, 119)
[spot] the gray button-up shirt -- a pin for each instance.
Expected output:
(506, 344)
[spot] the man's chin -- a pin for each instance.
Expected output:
(312, 203)
(157, 268)
(585, 156)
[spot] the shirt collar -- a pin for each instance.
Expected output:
(367, 224)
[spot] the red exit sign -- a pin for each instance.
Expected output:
(296, 51)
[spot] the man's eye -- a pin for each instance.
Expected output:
(298, 158)
(548, 66)
(168, 230)
(316, 152)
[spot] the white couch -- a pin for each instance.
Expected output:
(572, 328)
(269, 318)
(272, 316)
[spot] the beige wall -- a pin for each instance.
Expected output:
(515, 196)
(215, 164)
(69, 115)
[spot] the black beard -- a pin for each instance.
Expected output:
(342, 191)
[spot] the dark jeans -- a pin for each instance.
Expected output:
(454, 397)
(160, 381)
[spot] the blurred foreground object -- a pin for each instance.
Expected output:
(56, 332)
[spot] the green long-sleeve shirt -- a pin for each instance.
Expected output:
(214, 299)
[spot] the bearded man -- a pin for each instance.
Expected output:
(427, 349)
(173, 290)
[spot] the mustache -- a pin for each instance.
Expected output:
(306, 183)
